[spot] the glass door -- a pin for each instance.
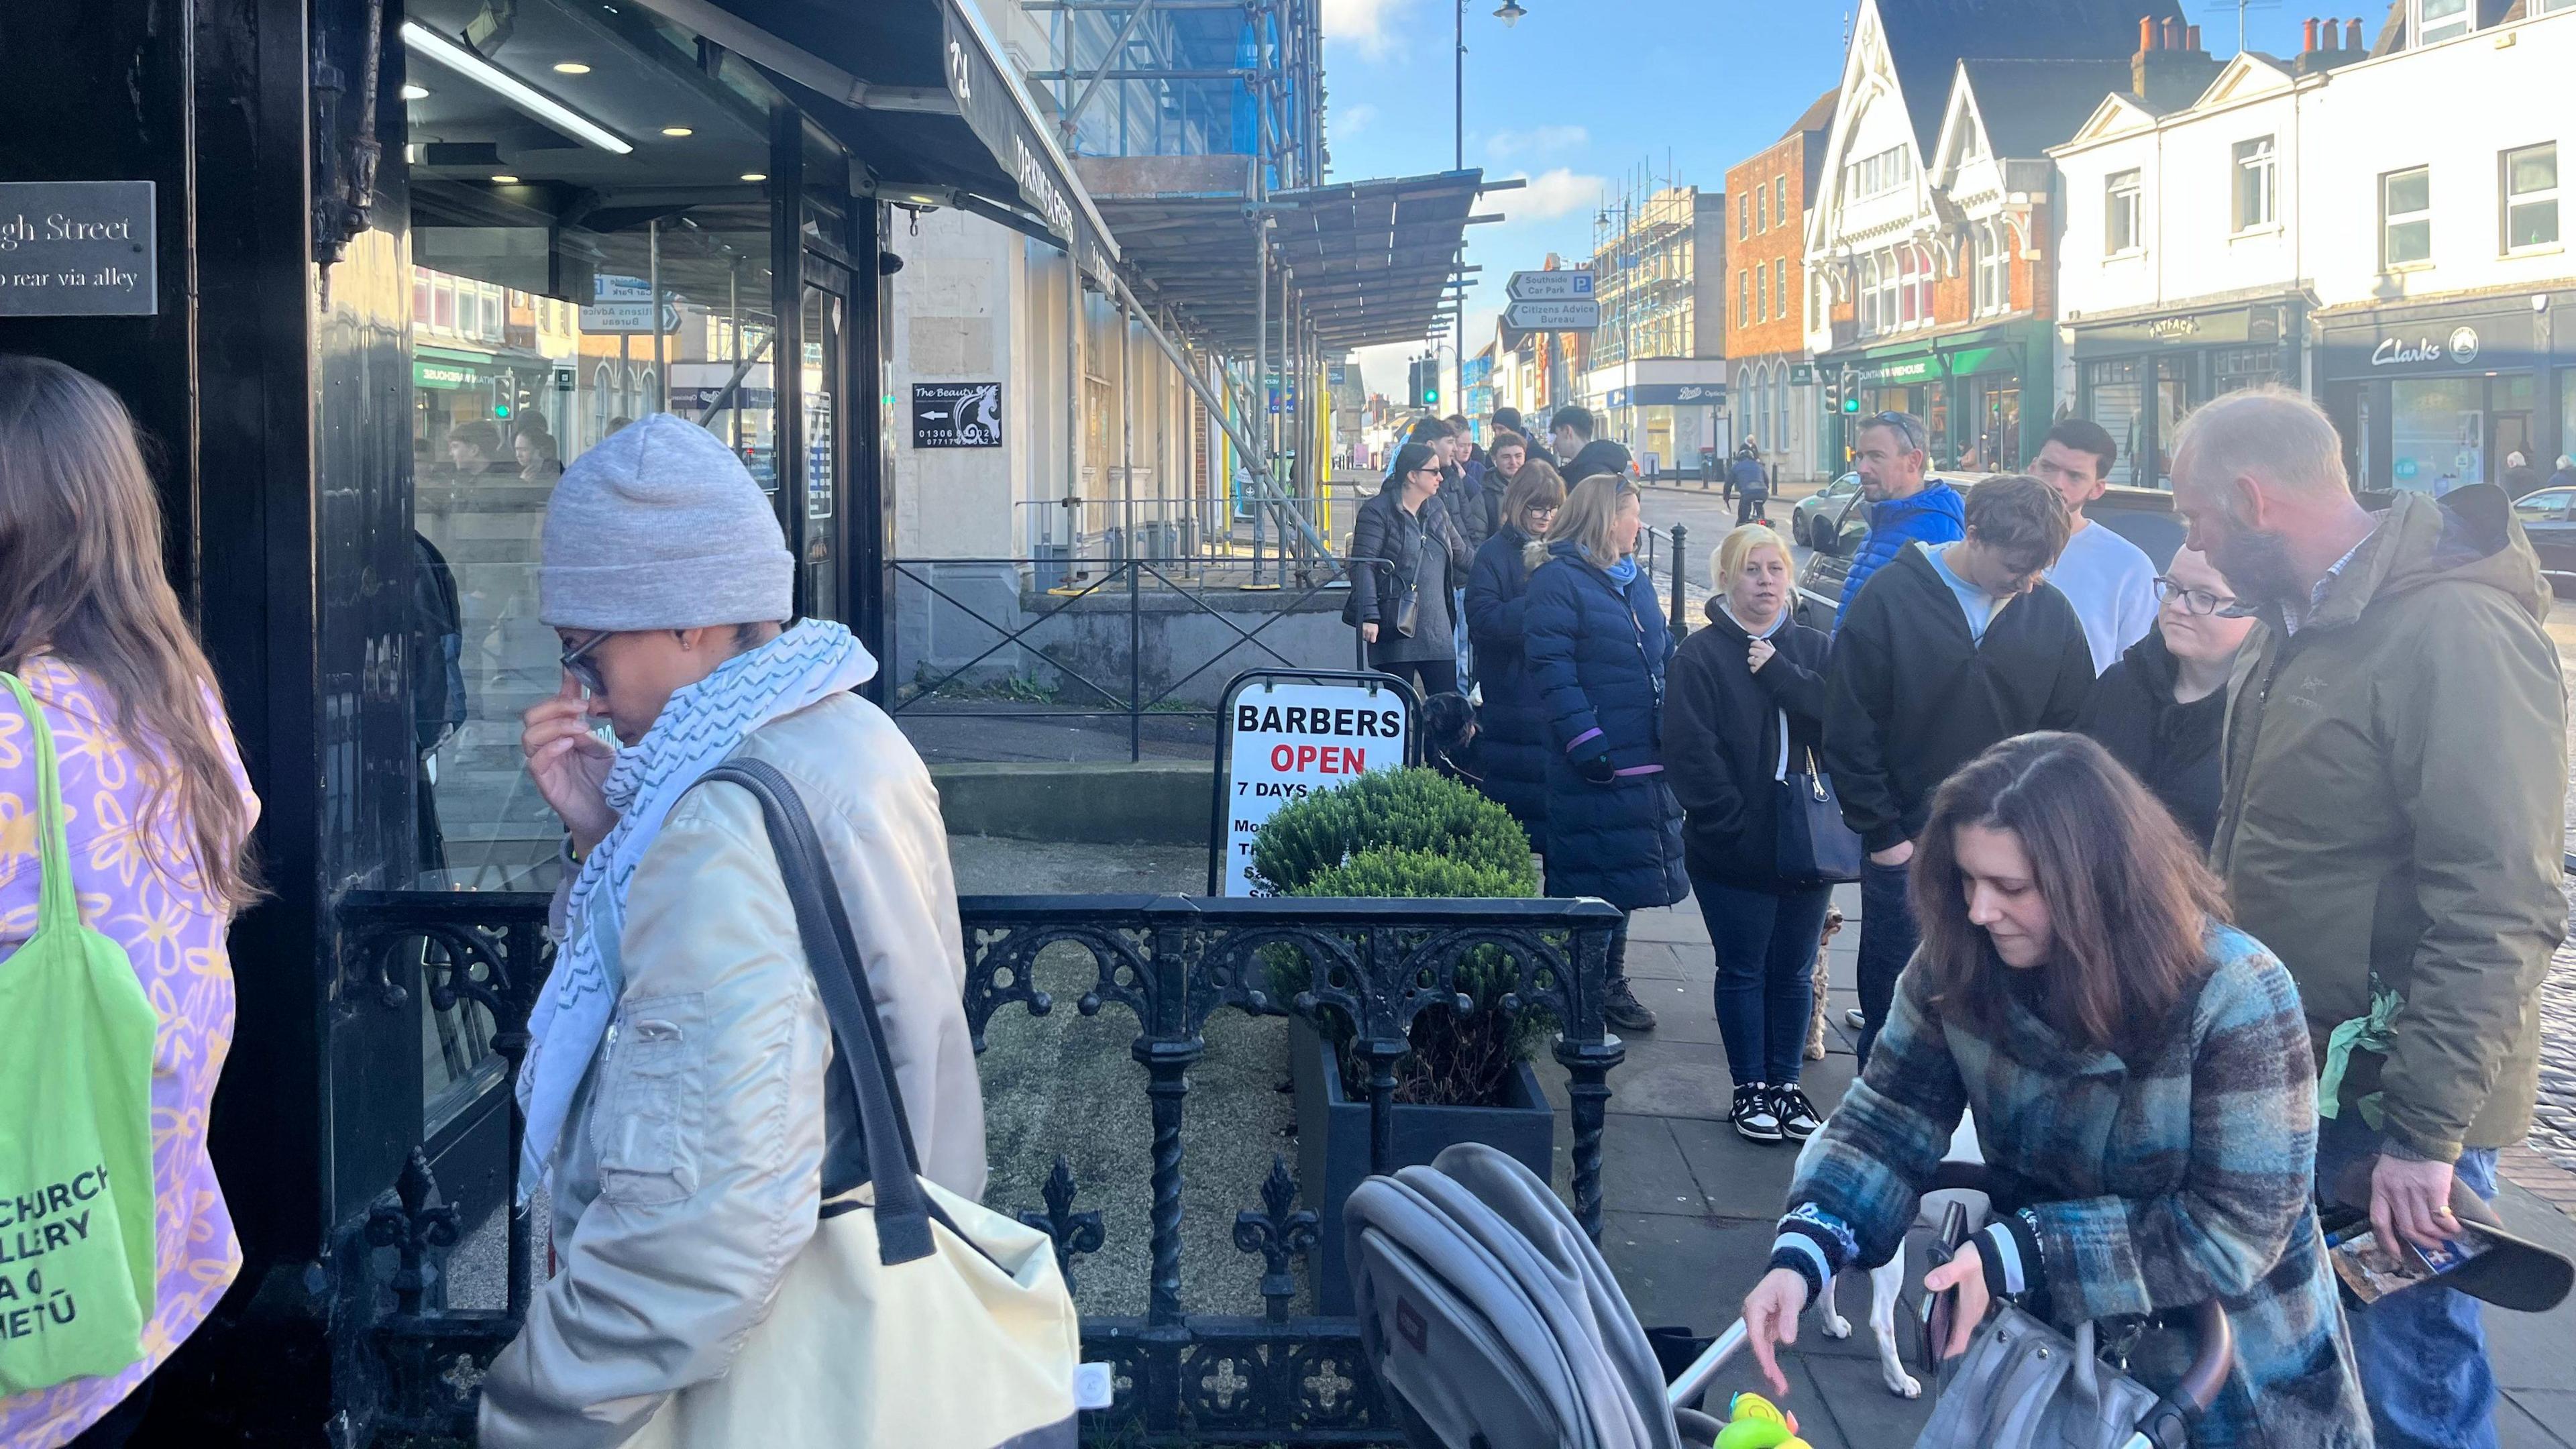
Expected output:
(822, 398)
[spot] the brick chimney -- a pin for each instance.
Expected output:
(2170, 69)
(2329, 44)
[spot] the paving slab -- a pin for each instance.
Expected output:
(2537, 1419)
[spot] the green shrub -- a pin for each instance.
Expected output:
(1413, 834)
(1416, 810)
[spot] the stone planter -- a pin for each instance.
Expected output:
(1333, 1144)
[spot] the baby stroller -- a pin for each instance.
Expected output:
(1493, 1323)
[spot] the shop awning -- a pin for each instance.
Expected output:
(918, 91)
(1370, 261)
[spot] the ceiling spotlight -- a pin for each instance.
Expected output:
(1511, 13)
(678, 131)
(415, 93)
(755, 176)
(506, 180)
(571, 67)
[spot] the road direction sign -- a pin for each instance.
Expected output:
(1566, 316)
(1550, 286)
(615, 317)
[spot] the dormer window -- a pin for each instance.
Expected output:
(2439, 20)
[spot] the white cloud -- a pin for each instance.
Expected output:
(1368, 25)
(1551, 194)
(1537, 141)
(1351, 121)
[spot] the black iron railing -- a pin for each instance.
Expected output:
(1169, 962)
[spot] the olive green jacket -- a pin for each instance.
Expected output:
(2395, 779)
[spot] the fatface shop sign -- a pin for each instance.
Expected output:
(77, 249)
(2460, 349)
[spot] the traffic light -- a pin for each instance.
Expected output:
(1424, 382)
(1850, 391)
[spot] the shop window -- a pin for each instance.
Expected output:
(2121, 229)
(2234, 369)
(2531, 198)
(2115, 396)
(2257, 175)
(2406, 217)
(2437, 433)
(2439, 20)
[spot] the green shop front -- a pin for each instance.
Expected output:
(1984, 393)
(2140, 374)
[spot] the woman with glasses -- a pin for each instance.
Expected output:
(2161, 708)
(1510, 723)
(1597, 645)
(1405, 559)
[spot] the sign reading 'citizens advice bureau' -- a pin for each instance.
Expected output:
(77, 249)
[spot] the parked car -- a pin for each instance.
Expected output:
(2143, 516)
(1818, 514)
(2549, 517)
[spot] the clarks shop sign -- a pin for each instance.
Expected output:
(2459, 348)
(2436, 345)
(76, 249)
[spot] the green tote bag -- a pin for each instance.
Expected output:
(76, 1266)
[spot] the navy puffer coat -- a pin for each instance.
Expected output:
(1512, 728)
(1597, 651)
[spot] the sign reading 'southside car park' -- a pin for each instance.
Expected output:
(1284, 736)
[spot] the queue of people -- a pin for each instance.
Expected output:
(2148, 848)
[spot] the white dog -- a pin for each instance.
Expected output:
(1887, 1281)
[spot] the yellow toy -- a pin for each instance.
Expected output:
(1754, 1422)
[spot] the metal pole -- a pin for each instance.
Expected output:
(1458, 90)
(653, 284)
(1072, 392)
(1135, 556)
(1681, 566)
(1261, 372)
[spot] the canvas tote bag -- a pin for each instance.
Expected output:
(914, 1319)
(77, 1281)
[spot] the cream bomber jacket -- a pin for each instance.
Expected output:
(691, 1167)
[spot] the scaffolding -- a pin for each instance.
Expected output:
(1189, 78)
(1644, 269)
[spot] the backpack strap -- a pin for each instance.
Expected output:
(903, 1211)
(57, 904)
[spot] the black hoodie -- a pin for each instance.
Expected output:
(2172, 748)
(1598, 456)
(1722, 742)
(1911, 695)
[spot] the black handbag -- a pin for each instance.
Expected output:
(1811, 844)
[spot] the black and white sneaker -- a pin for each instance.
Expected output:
(1797, 1115)
(1752, 1114)
(1853, 1018)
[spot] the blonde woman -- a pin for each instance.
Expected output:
(158, 817)
(1596, 645)
(1748, 694)
(1510, 722)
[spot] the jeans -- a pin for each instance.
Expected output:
(2422, 1353)
(1466, 646)
(1755, 505)
(1766, 959)
(1428, 676)
(1888, 937)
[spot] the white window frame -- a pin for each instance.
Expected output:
(2451, 25)
(1780, 285)
(1743, 217)
(2390, 221)
(1908, 297)
(2122, 190)
(1780, 195)
(1743, 298)
(2513, 201)
(1761, 210)
(2257, 159)
(1761, 293)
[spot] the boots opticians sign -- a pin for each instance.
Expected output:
(76, 249)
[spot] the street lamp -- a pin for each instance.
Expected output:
(1510, 13)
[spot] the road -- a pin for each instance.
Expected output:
(1706, 518)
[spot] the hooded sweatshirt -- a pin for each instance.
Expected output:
(1911, 695)
(1937, 514)
(2171, 747)
(2395, 777)
(1598, 456)
(1722, 739)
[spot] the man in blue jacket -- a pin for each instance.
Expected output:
(1904, 507)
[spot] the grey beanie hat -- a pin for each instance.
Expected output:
(660, 527)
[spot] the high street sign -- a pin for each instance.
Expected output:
(1566, 316)
(1550, 286)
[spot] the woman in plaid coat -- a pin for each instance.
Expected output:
(2143, 1090)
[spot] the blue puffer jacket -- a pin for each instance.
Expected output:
(1596, 652)
(1935, 515)
(1512, 728)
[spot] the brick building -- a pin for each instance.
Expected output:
(1772, 394)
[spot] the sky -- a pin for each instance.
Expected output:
(1582, 97)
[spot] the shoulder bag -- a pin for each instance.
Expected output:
(914, 1317)
(77, 1277)
(1812, 846)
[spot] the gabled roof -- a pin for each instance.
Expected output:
(1926, 40)
(1819, 117)
(2031, 105)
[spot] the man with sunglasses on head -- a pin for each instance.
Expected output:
(1950, 649)
(1891, 455)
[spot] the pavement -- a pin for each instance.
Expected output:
(1688, 1209)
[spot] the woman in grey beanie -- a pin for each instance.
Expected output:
(686, 1167)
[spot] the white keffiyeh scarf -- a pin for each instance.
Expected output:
(702, 725)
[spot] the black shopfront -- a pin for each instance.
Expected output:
(2433, 396)
(2140, 374)
(410, 257)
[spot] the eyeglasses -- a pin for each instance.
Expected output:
(2198, 603)
(576, 661)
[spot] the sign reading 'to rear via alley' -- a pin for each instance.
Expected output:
(1285, 735)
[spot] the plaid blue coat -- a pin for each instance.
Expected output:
(2146, 1188)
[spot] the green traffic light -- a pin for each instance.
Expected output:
(1851, 404)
